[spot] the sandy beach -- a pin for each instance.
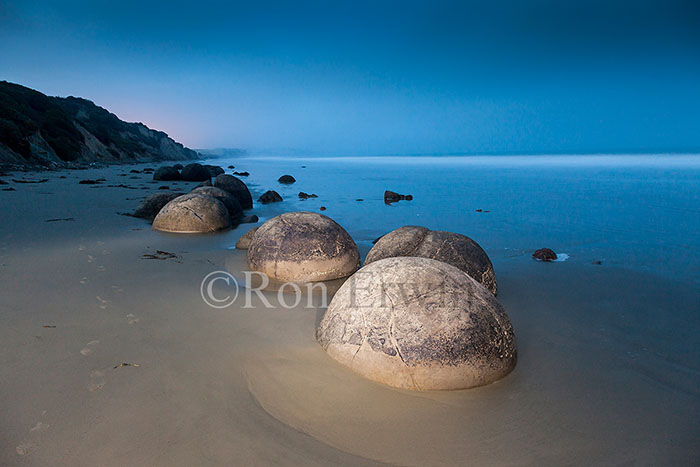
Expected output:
(112, 358)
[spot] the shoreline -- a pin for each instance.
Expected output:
(601, 371)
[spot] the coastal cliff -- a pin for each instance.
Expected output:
(36, 129)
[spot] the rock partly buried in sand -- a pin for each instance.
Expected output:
(234, 207)
(244, 242)
(287, 179)
(195, 173)
(151, 206)
(166, 174)
(451, 248)
(236, 187)
(392, 197)
(270, 196)
(421, 324)
(192, 213)
(544, 254)
(303, 247)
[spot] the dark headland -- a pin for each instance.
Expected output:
(39, 130)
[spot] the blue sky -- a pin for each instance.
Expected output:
(374, 77)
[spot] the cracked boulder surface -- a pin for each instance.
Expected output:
(236, 187)
(193, 213)
(151, 206)
(235, 210)
(419, 324)
(452, 248)
(303, 247)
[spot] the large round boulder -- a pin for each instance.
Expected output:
(151, 206)
(417, 323)
(192, 213)
(166, 174)
(303, 247)
(236, 187)
(195, 173)
(451, 248)
(234, 207)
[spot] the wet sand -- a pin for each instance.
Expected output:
(601, 379)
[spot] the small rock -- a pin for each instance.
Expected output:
(244, 242)
(241, 174)
(231, 167)
(270, 197)
(287, 179)
(164, 187)
(597, 262)
(322, 208)
(544, 254)
(392, 197)
(303, 195)
(88, 182)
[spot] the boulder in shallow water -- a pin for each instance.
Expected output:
(193, 213)
(303, 195)
(166, 174)
(234, 207)
(244, 242)
(252, 219)
(544, 254)
(236, 187)
(214, 170)
(392, 197)
(195, 173)
(451, 248)
(151, 206)
(421, 324)
(303, 247)
(286, 179)
(270, 196)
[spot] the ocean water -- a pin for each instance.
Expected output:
(638, 212)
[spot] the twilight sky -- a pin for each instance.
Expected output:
(374, 77)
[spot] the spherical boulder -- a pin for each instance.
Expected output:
(214, 170)
(234, 208)
(166, 174)
(303, 247)
(195, 173)
(286, 179)
(451, 248)
(192, 213)
(151, 206)
(236, 187)
(421, 324)
(243, 243)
